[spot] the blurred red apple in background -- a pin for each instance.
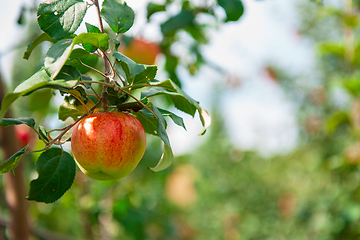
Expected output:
(140, 50)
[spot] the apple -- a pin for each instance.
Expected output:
(25, 135)
(141, 51)
(108, 145)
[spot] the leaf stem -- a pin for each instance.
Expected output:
(137, 100)
(94, 69)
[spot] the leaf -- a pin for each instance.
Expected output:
(67, 110)
(79, 56)
(116, 97)
(98, 40)
(154, 8)
(68, 73)
(176, 119)
(165, 160)
(145, 76)
(134, 67)
(41, 38)
(116, 43)
(57, 55)
(17, 121)
(37, 81)
(61, 18)
(42, 133)
(181, 100)
(56, 169)
(10, 164)
(234, 9)
(184, 19)
(118, 15)
(86, 78)
(91, 29)
(148, 121)
(161, 125)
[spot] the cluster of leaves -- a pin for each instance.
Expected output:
(67, 68)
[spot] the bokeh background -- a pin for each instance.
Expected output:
(280, 160)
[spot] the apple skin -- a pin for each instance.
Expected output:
(141, 51)
(108, 145)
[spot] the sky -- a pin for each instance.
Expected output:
(257, 114)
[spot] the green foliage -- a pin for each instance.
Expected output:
(234, 9)
(56, 169)
(118, 15)
(66, 62)
(60, 18)
(10, 164)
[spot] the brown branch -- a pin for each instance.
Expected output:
(15, 192)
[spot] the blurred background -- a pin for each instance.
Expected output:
(280, 160)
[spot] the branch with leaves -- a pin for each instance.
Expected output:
(68, 66)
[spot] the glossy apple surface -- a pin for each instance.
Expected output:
(108, 145)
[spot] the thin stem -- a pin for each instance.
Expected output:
(67, 128)
(102, 83)
(142, 104)
(104, 95)
(94, 69)
(96, 3)
(97, 95)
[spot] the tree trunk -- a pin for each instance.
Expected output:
(15, 191)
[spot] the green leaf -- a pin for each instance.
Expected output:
(234, 9)
(56, 169)
(116, 97)
(116, 43)
(134, 68)
(97, 40)
(184, 19)
(181, 100)
(336, 120)
(57, 55)
(89, 59)
(41, 38)
(124, 71)
(37, 81)
(67, 110)
(154, 8)
(10, 164)
(17, 121)
(68, 73)
(86, 78)
(161, 125)
(91, 29)
(118, 15)
(165, 160)
(61, 18)
(145, 76)
(148, 121)
(42, 133)
(176, 119)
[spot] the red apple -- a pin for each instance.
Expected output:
(141, 51)
(108, 145)
(25, 135)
